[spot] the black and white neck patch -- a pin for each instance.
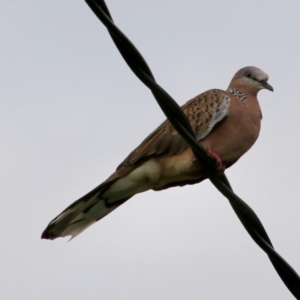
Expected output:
(238, 94)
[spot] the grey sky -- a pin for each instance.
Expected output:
(71, 110)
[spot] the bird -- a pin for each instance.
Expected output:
(226, 123)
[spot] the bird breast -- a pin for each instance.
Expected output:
(238, 131)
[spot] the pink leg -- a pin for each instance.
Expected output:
(219, 164)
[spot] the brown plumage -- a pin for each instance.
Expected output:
(225, 122)
(202, 112)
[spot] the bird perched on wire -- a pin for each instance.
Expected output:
(226, 123)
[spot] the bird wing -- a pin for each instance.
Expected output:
(203, 112)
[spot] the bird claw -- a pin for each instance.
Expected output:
(220, 165)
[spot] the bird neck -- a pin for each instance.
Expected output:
(248, 91)
(237, 93)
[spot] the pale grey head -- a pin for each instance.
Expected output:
(250, 80)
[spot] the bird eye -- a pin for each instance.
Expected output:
(248, 75)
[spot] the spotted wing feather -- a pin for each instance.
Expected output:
(203, 112)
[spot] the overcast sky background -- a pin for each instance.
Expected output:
(71, 110)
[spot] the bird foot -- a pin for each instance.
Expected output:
(220, 166)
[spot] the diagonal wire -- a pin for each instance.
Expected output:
(173, 112)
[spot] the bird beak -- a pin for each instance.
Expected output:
(267, 86)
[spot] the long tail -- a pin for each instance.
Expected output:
(81, 214)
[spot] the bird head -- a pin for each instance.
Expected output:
(250, 80)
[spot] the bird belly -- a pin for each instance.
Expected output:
(177, 170)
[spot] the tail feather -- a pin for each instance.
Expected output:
(80, 215)
(118, 188)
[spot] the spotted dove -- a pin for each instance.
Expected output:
(226, 123)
